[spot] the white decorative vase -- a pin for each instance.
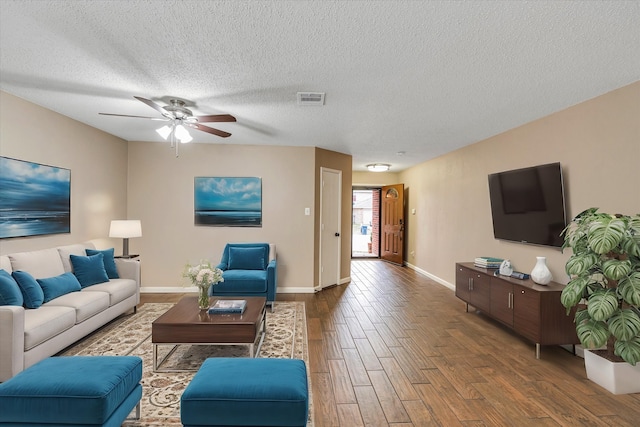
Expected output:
(616, 377)
(540, 273)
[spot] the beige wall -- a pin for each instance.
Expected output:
(113, 179)
(98, 164)
(450, 194)
(598, 144)
(161, 196)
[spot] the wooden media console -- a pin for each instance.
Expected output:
(531, 310)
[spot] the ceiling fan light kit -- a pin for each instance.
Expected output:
(181, 117)
(378, 167)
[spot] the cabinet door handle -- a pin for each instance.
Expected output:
(510, 300)
(471, 284)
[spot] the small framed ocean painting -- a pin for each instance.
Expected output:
(228, 201)
(36, 199)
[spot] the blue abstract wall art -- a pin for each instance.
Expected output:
(35, 199)
(228, 202)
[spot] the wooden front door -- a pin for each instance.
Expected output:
(392, 241)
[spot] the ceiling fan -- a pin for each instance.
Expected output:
(180, 117)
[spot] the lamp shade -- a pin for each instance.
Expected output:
(183, 134)
(164, 132)
(125, 228)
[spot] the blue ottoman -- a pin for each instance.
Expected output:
(247, 392)
(73, 390)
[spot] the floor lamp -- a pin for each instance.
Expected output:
(125, 229)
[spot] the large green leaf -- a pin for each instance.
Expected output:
(582, 315)
(628, 350)
(616, 269)
(573, 292)
(631, 245)
(629, 289)
(580, 263)
(634, 224)
(592, 334)
(624, 324)
(575, 233)
(602, 304)
(606, 233)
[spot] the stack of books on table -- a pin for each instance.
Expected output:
(228, 306)
(488, 262)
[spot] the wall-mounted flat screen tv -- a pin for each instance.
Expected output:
(527, 205)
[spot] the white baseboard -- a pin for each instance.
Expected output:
(431, 276)
(296, 290)
(193, 289)
(167, 289)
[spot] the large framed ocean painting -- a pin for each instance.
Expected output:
(36, 199)
(228, 202)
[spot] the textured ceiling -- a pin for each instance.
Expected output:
(419, 77)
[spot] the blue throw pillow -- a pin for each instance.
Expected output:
(10, 293)
(53, 287)
(109, 261)
(246, 258)
(31, 290)
(89, 269)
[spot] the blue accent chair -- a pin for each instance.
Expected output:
(248, 269)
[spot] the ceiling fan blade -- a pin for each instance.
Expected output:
(138, 117)
(153, 105)
(207, 129)
(216, 118)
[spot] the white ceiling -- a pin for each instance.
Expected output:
(419, 77)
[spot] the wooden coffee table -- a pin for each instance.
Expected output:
(185, 324)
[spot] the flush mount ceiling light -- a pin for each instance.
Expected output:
(378, 167)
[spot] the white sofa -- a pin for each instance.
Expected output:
(30, 335)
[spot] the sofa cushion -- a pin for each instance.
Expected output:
(30, 288)
(40, 264)
(86, 304)
(236, 281)
(65, 253)
(53, 287)
(108, 260)
(5, 263)
(45, 323)
(118, 289)
(10, 293)
(89, 269)
(243, 258)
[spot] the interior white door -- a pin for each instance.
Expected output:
(330, 238)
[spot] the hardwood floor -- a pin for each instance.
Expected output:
(394, 348)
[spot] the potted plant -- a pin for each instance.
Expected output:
(604, 285)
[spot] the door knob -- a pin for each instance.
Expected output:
(337, 234)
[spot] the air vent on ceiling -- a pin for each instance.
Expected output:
(311, 98)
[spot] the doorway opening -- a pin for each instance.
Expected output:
(365, 223)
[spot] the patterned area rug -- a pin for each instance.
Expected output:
(131, 335)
